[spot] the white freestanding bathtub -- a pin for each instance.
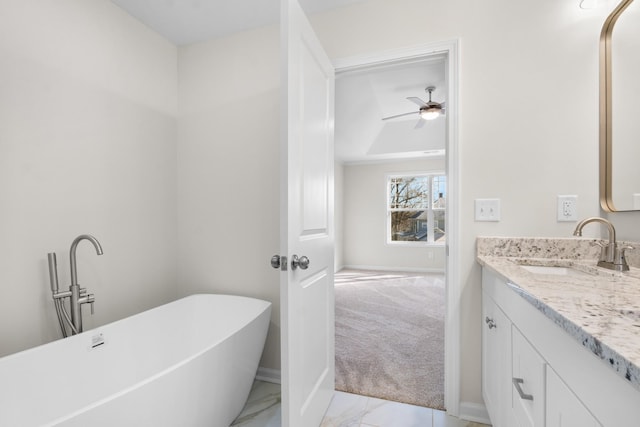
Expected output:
(187, 363)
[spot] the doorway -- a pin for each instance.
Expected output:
(401, 144)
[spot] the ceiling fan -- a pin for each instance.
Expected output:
(428, 110)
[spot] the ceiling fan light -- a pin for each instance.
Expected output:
(430, 113)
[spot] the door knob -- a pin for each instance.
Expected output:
(280, 262)
(302, 262)
(275, 261)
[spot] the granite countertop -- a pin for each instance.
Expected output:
(600, 309)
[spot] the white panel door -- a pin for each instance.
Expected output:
(306, 295)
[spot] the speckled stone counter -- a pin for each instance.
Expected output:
(600, 309)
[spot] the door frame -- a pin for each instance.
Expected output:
(452, 275)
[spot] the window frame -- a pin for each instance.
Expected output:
(430, 209)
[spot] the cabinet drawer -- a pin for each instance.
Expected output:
(528, 382)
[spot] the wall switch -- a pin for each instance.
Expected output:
(487, 209)
(567, 208)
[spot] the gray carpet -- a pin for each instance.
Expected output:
(390, 336)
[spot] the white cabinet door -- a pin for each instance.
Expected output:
(496, 362)
(528, 382)
(563, 407)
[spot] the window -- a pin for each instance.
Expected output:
(416, 208)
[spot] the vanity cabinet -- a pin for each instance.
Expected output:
(512, 371)
(534, 374)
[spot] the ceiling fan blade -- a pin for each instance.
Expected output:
(420, 123)
(400, 115)
(417, 100)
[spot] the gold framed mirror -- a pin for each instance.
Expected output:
(620, 109)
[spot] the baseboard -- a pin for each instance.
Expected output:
(399, 269)
(474, 412)
(268, 375)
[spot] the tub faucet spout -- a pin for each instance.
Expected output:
(79, 296)
(611, 255)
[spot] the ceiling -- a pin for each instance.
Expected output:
(363, 96)
(191, 21)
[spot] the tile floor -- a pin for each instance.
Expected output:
(346, 410)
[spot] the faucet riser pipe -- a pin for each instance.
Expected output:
(76, 310)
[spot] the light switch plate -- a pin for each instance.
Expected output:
(487, 209)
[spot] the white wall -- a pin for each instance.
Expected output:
(536, 67)
(228, 170)
(338, 182)
(365, 219)
(87, 145)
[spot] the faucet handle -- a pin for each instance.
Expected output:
(604, 250)
(619, 260)
(621, 252)
(89, 299)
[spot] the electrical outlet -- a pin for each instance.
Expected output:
(568, 208)
(487, 209)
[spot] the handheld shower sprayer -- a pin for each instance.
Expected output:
(53, 271)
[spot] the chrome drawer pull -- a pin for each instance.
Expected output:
(523, 396)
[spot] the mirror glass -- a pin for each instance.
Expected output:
(625, 110)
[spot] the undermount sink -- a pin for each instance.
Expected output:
(554, 270)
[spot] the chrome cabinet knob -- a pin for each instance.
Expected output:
(302, 262)
(490, 322)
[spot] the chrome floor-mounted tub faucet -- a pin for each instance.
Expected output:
(77, 295)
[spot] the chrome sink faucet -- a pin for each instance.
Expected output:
(611, 255)
(76, 294)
